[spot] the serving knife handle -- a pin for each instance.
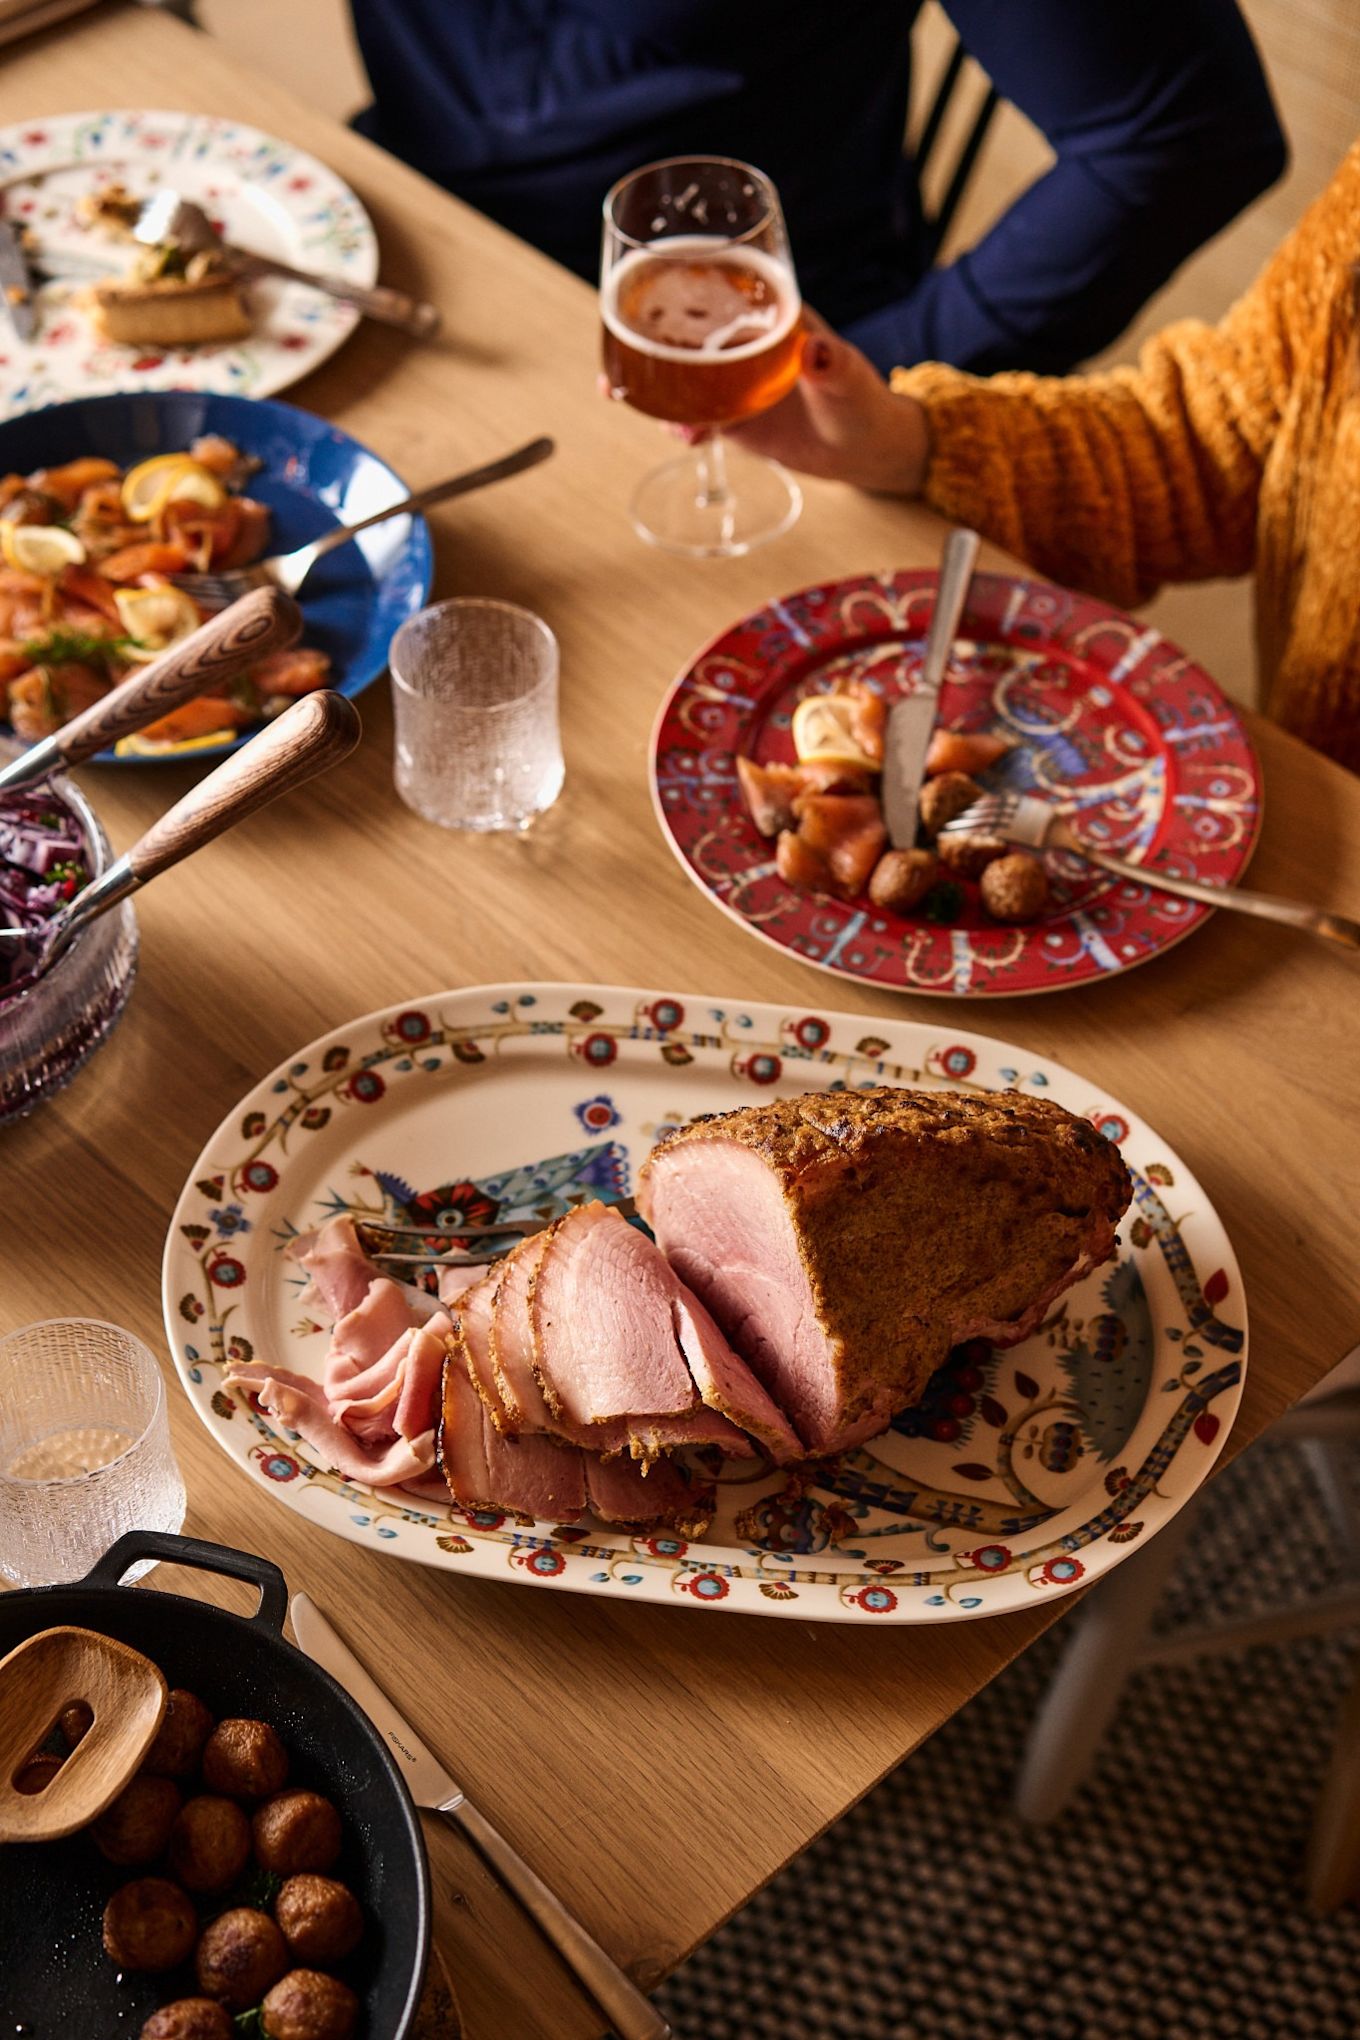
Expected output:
(266, 620)
(632, 2016)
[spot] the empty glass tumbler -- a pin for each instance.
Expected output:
(84, 1448)
(474, 691)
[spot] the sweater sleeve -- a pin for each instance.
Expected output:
(1117, 482)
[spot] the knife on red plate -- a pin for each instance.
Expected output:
(629, 2012)
(912, 720)
(16, 283)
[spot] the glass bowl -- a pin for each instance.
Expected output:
(50, 1028)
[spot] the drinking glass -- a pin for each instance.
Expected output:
(84, 1448)
(702, 327)
(474, 688)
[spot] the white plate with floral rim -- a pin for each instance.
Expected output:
(262, 193)
(1020, 1474)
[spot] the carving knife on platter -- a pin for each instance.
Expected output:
(912, 720)
(628, 2011)
(16, 283)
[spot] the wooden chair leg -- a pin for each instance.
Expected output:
(1332, 1870)
(1081, 1701)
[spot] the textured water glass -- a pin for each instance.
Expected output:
(84, 1448)
(474, 691)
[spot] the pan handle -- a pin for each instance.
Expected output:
(204, 1557)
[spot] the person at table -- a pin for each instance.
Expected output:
(1157, 113)
(1228, 449)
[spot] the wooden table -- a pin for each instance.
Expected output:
(655, 1767)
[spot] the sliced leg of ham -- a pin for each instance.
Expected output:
(484, 1470)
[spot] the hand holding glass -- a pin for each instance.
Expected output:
(702, 327)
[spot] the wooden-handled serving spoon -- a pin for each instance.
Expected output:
(266, 620)
(124, 1692)
(311, 736)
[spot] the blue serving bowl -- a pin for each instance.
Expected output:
(312, 476)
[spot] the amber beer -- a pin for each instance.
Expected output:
(704, 333)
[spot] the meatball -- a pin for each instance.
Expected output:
(37, 1772)
(135, 1827)
(185, 1727)
(901, 879)
(246, 1758)
(969, 856)
(241, 1953)
(296, 1831)
(320, 1919)
(944, 798)
(1015, 888)
(209, 1844)
(149, 1925)
(76, 1721)
(309, 2006)
(190, 2019)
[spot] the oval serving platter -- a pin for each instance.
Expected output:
(1130, 739)
(1020, 1474)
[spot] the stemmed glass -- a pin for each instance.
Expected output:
(702, 327)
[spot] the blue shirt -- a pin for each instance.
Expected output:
(1157, 112)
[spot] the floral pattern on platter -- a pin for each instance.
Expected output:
(1018, 1475)
(1111, 721)
(261, 192)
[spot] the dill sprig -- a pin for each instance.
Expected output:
(62, 647)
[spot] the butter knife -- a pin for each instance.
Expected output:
(629, 2012)
(911, 721)
(16, 283)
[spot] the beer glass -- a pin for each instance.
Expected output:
(702, 327)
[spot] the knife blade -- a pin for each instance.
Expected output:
(16, 283)
(912, 720)
(431, 1786)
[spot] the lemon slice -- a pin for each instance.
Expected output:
(156, 618)
(823, 735)
(193, 484)
(146, 486)
(40, 548)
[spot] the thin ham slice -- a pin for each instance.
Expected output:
(528, 1476)
(472, 1339)
(625, 1494)
(611, 1321)
(364, 1336)
(341, 1271)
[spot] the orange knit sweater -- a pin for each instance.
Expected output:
(1228, 447)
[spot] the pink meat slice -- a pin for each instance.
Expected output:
(341, 1271)
(621, 1492)
(457, 1277)
(602, 1348)
(511, 1351)
(472, 1321)
(726, 1383)
(528, 1476)
(365, 1335)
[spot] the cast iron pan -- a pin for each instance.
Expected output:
(55, 1981)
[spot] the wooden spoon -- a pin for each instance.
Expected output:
(124, 1692)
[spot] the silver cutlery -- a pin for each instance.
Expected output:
(911, 721)
(289, 570)
(1023, 818)
(170, 217)
(311, 736)
(629, 2012)
(265, 621)
(16, 283)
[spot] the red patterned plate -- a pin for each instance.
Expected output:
(1114, 724)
